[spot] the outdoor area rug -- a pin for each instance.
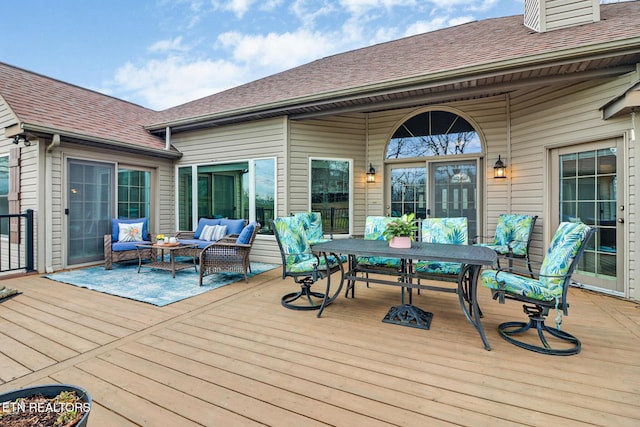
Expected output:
(150, 285)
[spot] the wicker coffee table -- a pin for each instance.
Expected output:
(172, 265)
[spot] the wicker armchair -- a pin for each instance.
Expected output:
(115, 251)
(229, 253)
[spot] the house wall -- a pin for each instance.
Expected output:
(522, 127)
(259, 139)
(334, 137)
(556, 116)
(293, 143)
(28, 184)
(490, 116)
(162, 184)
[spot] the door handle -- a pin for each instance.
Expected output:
(621, 220)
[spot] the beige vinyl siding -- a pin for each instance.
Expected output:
(259, 139)
(547, 15)
(333, 137)
(555, 116)
(28, 178)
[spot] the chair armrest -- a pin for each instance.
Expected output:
(229, 238)
(184, 234)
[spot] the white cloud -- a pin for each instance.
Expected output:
(169, 45)
(264, 37)
(276, 51)
(173, 81)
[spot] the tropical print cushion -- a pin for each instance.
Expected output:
(374, 227)
(448, 268)
(378, 261)
(445, 230)
(374, 230)
(500, 249)
(293, 240)
(310, 264)
(518, 285)
(566, 242)
(514, 228)
(312, 223)
(564, 246)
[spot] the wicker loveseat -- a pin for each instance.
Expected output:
(229, 254)
(233, 228)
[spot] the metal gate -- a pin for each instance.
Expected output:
(16, 242)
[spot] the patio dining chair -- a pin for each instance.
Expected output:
(374, 230)
(442, 230)
(542, 293)
(312, 224)
(512, 238)
(305, 267)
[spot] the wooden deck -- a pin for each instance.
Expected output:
(235, 356)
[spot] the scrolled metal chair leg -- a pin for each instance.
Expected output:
(510, 330)
(305, 292)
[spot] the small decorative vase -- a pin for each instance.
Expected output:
(161, 242)
(400, 242)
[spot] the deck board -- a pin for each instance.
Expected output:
(235, 356)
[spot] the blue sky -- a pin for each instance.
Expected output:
(161, 53)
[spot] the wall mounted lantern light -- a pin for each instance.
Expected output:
(499, 169)
(371, 174)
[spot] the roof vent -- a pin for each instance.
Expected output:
(548, 15)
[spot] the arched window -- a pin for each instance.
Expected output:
(433, 168)
(433, 133)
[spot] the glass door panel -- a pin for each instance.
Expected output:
(455, 192)
(449, 191)
(90, 189)
(408, 192)
(588, 193)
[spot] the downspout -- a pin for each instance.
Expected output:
(167, 138)
(48, 223)
(367, 158)
(510, 175)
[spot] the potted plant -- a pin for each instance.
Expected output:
(401, 231)
(160, 239)
(63, 405)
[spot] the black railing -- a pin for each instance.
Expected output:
(16, 242)
(334, 220)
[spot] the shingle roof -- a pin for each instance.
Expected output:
(486, 43)
(490, 44)
(52, 104)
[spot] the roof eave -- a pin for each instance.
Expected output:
(84, 139)
(614, 48)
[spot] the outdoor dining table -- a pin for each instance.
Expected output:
(472, 259)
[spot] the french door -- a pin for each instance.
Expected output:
(90, 189)
(587, 187)
(437, 189)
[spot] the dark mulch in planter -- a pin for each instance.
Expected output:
(64, 410)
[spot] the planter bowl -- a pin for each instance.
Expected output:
(400, 242)
(49, 391)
